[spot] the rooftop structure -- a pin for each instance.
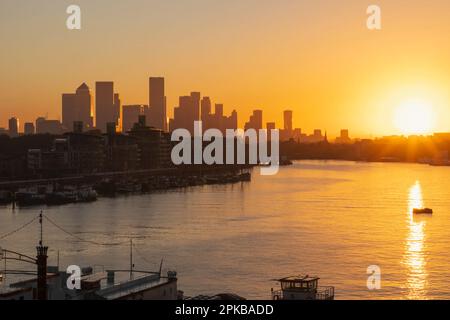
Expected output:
(302, 287)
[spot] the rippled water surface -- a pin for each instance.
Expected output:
(331, 219)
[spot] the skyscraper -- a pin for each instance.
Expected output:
(288, 120)
(130, 116)
(48, 126)
(157, 104)
(218, 110)
(83, 102)
(13, 127)
(255, 121)
(186, 113)
(195, 107)
(205, 109)
(69, 114)
(270, 126)
(77, 108)
(28, 128)
(104, 104)
(344, 138)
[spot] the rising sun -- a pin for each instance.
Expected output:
(414, 117)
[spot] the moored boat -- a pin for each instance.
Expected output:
(5, 196)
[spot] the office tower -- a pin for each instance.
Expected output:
(187, 114)
(157, 104)
(218, 110)
(297, 134)
(270, 126)
(83, 102)
(130, 116)
(40, 125)
(344, 137)
(184, 114)
(205, 109)
(255, 121)
(318, 133)
(188, 111)
(28, 128)
(77, 107)
(232, 122)
(218, 121)
(288, 120)
(68, 110)
(104, 104)
(44, 126)
(13, 127)
(195, 107)
(258, 117)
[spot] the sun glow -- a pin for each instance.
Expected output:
(414, 117)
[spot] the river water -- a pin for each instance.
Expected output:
(327, 218)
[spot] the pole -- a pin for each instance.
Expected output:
(131, 259)
(41, 265)
(40, 223)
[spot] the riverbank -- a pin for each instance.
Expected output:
(87, 188)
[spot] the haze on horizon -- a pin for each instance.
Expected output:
(314, 57)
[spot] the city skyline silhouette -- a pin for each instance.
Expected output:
(315, 58)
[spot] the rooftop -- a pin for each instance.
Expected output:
(299, 278)
(123, 286)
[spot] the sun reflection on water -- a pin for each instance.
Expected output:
(414, 257)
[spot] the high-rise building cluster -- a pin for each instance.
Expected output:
(105, 113)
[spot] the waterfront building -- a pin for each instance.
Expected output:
(122, 152)
(85, 152)
(154, 145)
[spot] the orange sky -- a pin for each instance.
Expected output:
(314, 57)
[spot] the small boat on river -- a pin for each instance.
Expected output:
(422, 211)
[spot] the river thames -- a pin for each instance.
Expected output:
(327, 218)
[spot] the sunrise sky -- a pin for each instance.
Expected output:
(314, 57)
